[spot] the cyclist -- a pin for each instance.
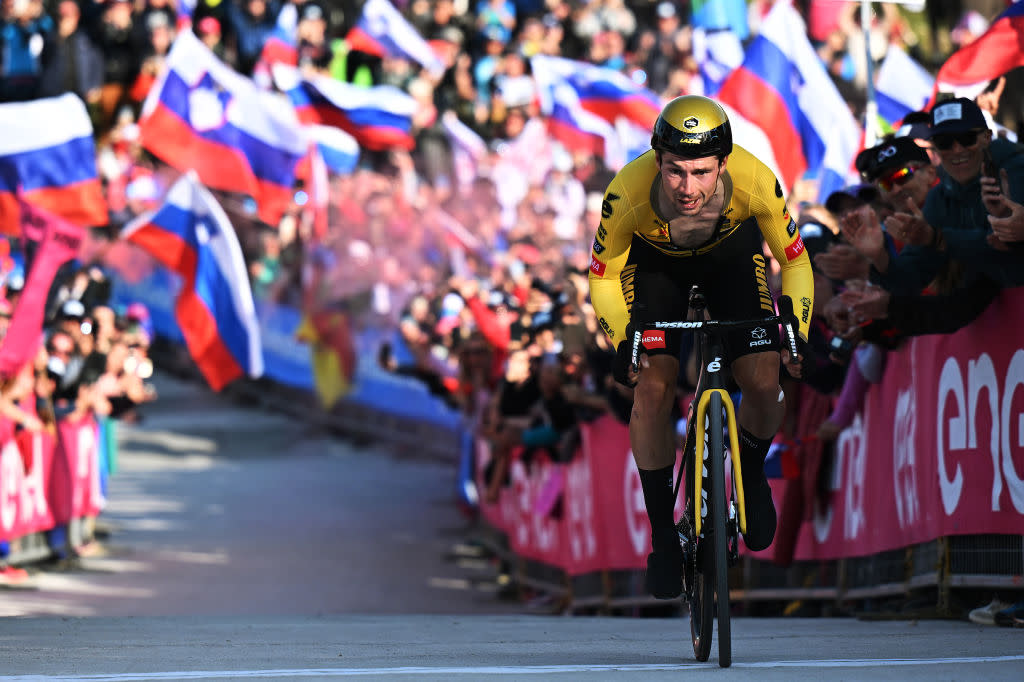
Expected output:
(692, 210)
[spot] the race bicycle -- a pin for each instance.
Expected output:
(708, 552)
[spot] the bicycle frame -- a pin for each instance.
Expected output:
(710, 332)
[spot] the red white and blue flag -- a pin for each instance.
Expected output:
(338, 149)
(48, 155)
(995, 52)
(902, 86)
(603, 91)
(379, 117)
(782, 87)
(191, 235)
(579, 130)
(204, 116)
(383, 31)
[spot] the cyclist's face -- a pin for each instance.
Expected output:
(690, 183)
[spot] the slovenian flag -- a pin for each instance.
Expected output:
(379, 117)
(603, 91)
(48, 155)
(579, 130)
(902, 86)
(782, 87)
(204, 116)
(383, 31)
(997, 51)
(191, 235)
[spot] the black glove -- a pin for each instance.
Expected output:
(624, 358)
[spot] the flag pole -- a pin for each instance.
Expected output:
(871, 108)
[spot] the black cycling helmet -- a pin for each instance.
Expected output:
(693, 126)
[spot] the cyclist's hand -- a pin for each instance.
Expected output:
(622, 370)
(794, 364)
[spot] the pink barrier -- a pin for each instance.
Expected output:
(47, 480)
(938, 450)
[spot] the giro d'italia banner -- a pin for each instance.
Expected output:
(47, 479)
(937, 450)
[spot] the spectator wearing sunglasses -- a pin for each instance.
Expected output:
(981, 181)
(954, 296)
(902, 173)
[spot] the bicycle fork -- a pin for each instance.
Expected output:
(701, 455)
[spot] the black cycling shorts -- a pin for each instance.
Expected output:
(732, 276)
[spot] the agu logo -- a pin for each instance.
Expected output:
(653, 338)
(596, 266)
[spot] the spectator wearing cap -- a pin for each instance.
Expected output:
(896, 308)
(972, 215)
(904, 175)
(76, 64)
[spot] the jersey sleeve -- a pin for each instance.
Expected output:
(768, 205)
(608, 257)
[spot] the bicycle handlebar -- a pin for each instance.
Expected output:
(785, 317)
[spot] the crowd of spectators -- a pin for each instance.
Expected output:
(482, 277)
(92, 362)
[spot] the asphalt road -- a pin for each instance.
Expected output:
(248, 545)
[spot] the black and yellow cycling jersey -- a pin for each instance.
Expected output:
(629, 212)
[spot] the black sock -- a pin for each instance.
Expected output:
(753, 451)
(657, 485)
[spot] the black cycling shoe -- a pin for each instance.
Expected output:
(760, 508)
(665, 572)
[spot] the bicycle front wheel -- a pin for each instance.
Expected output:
(719, 514)
(700, 568)
(702, 602)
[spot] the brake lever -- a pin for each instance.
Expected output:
(785, 304)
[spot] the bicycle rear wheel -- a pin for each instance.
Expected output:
(719, 514)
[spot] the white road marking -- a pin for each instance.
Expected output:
(501, 670)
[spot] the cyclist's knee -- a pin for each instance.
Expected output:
(654, 392)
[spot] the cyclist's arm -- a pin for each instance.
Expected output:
(607, 258)
(783, 238)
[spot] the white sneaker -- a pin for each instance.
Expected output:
(986, 615)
